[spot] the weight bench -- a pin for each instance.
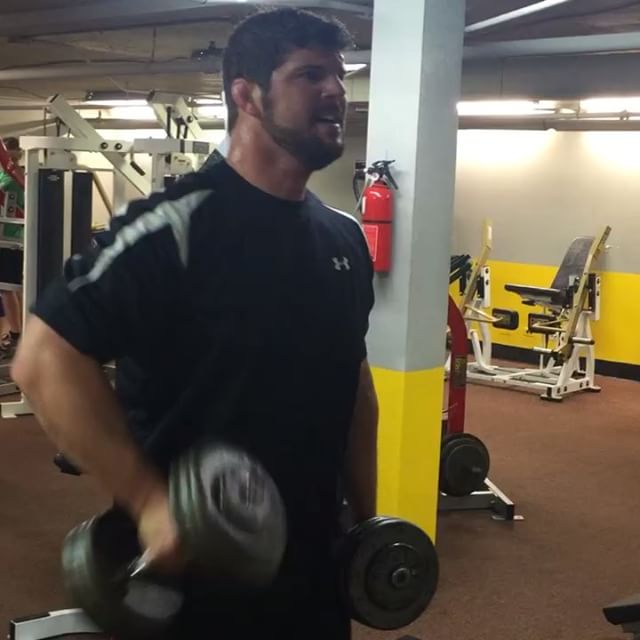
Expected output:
(626, 614)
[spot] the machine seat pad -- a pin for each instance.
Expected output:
(542, 295)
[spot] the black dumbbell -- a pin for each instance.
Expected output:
(231, 523)
(389, 572)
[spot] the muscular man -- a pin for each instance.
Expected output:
(254, 274)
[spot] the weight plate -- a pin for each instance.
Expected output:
(450, 437)
(464, 465)
(391, 573)
(95, 558)
(229, 514)
(348, 548)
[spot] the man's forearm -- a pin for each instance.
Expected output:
(362, 458)
(80, 412)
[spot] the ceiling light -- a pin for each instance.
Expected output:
(353, 67)
(610, 105)
(514, 15)
(207, 101)
(120, 103)
(505, 108)
(132, 113)
(217, 112)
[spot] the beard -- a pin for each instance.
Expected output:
(309, 149)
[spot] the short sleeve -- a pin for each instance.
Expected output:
(125, 296)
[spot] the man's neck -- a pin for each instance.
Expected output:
(267, 166)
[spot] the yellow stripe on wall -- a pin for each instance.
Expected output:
(616, 333)
(409, 444)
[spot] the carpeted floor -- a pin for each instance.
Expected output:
(572, 469)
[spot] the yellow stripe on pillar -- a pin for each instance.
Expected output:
(409, 444)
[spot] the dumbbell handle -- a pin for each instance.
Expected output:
(135, 569)
(138, 566)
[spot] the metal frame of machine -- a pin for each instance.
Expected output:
(42, 154)
(567, 355)
(52, 625)
(44, 157)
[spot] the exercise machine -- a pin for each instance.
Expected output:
(464, 459)
(566, 356)
(625, 614)
(59, 179)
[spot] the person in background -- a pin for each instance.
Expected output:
(11, 259)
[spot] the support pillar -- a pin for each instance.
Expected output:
(416, 70)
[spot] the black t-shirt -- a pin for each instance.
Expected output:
(232, 314)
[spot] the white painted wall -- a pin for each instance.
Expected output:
(543, 188)
(540, 189)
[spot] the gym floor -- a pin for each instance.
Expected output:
(572, 469)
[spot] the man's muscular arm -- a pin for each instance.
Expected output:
(79, 411)
(362, 450)
(108, 304)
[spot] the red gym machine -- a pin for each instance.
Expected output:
(464, 459)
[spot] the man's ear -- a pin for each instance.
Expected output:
(247, 97)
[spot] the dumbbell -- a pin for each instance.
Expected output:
(231, 524)
(388, 572)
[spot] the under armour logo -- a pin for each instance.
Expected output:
(342, 263)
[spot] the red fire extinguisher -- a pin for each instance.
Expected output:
(377, 211)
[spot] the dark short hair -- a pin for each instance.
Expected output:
(261, 43)
(11, 143)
